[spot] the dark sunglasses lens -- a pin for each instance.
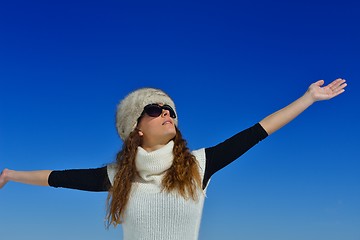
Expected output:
(153, 110)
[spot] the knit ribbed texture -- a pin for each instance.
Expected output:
(148, 165)
(153, 214)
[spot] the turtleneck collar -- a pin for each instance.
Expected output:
(152, 164)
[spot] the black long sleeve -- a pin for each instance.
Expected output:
(217, 157)
(95, 180)
(221, 155)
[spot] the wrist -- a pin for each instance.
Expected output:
(308, 99)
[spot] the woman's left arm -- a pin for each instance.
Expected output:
(221, 155)
(314, 93)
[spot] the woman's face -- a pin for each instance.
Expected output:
(156, 131)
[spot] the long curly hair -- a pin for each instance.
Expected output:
(182, 177)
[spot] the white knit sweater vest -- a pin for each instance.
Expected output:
(153, 214)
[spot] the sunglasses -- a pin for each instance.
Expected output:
(155, 110)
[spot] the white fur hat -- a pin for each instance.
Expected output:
(130, 108)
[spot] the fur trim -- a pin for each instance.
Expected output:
(131, 107)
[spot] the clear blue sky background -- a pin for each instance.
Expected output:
(64, 65)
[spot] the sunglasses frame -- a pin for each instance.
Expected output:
(160, 110)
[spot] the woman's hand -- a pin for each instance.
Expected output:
(3, 178)
(318, 93)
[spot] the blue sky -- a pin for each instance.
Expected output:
(227, 64)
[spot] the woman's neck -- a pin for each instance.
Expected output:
(150, 146)
(153, 147)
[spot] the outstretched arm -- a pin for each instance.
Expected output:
(314, 93)
(95, 179)
(39, 178)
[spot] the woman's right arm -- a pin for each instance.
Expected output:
(95, 180)
(39, 178)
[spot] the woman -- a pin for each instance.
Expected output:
(157, 185)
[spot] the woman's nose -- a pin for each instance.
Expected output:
(165, 113)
